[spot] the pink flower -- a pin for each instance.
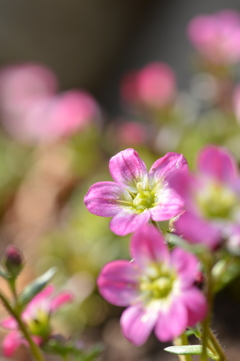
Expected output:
(131, 133)
(154, 86)
(136, 196)
(157, 286)
(33, 111)
(217, 36)
(211, 198)
(37, 318)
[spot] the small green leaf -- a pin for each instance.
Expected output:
(189, 350)
(4, 274)
(198, 249)
(35, 287)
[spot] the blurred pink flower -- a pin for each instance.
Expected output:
(131, 133)
(157, 286)
(211, 198)
(37, 318)
(137, 196)
(152, 87)
(217, 36)
(33, 111)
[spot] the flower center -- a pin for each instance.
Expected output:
(216, 201)
(144, 199)
(39, 325)
(158, 284)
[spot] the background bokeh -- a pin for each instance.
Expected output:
(90, 45)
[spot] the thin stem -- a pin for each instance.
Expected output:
(34, 348)
(206, 322)
(155, 224)
(12, 284)
(180, 341)
(217, 347)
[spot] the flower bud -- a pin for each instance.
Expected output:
(13, 260)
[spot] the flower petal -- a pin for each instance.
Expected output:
(10, 343)
(9, 323)
(60, 299)
(170, 205)
(196, 230)
(137, 323)
(127, 168)
(218, 163)
(168, 165)
(172, 322)
(118, 283)
(196, 305)
(102, 198)
(186, 266)
(127, 222)
(148, 246)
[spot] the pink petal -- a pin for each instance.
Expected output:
(102, 198)
(147, 246)
(185, 264)
(170, 205)
(167, 166)
(137, 323)
(118, 283)
(43, 294)
(217, 163)
(127, 222)
(9, 323)
(10, 343)
(172, 322)
(127, 168)
(196, 230)
(61, 299)
(185, 185)
(196, 305)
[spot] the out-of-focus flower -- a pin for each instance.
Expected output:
(37, 318)
(217, 36)
(131, 133)
(31, 110)
(157, 286)
(211, 198)
(152, 87)
(137, 196)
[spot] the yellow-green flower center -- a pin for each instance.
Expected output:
(39, 325)
(142, 197)
(158, 284)
(216, 201)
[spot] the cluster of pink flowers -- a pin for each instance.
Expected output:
(217, 37)
(32, 110)
(36, 316)
(158, 285)
(152, 87)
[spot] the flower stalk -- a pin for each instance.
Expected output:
(34, 348)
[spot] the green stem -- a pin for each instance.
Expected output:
(155, 224)
(34, 348)
(206, 322)
(217, 347)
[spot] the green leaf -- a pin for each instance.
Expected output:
(189, 350)
(35, 287)
(4, 274)
(198, 249)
